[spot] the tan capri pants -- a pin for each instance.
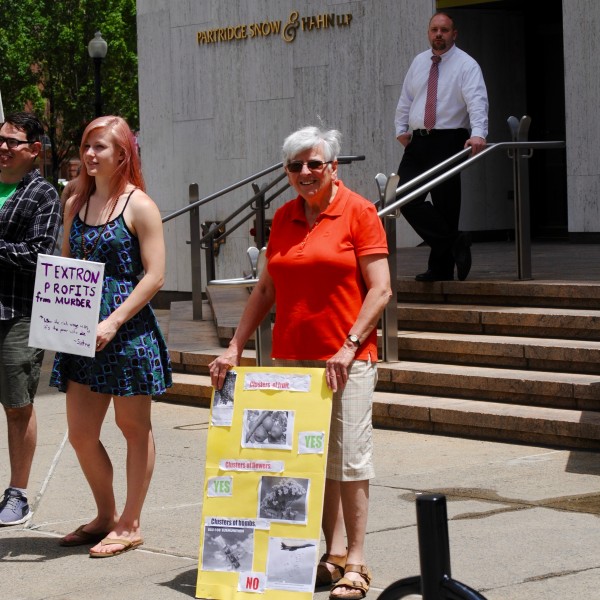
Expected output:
(350, 453)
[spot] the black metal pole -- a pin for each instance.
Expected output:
(98, 86)
(435, 582)
(196, 258)
(261, 227)
(209, 254)
(434, 545)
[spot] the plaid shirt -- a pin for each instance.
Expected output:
(29, 223)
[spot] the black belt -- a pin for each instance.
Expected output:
(425, 132)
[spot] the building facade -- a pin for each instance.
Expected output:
(223, 82)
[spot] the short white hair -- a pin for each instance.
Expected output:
(311, 137)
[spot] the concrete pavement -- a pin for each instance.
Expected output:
(523, 521)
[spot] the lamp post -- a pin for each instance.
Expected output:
(97, 49)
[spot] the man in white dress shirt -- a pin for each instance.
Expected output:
(461, 120)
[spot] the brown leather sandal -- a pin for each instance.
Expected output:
(359, 588)
(324, 575)
(81, 537)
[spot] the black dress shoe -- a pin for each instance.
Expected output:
(462, 255)
(430, 275)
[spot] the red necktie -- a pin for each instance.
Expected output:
(431, 100)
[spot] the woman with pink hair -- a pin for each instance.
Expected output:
(109, 218)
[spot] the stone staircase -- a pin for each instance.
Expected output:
(504, 360)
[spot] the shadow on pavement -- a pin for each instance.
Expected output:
(583, 462)
(32, 549)
(184, 582)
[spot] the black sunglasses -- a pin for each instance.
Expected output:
(313, 165)
(12, 142)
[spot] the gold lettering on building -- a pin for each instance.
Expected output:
(265, 29)
(291, 27)
(223, 34)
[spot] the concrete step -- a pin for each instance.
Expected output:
(195, 390)
(572, 391)
(568, 323)
(575, 356)
(563, 294)
(448, 416)
(227, 303)
(487, 420)
(578, 356)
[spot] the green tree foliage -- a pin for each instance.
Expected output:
(45, 66)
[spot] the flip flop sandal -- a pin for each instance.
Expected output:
(82, 537)
(127, 545)
(324, 575)
(359, 588)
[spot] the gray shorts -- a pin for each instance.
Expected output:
(20, 365)
(350, 451)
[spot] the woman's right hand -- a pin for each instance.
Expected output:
(218, 368)
(260, 301)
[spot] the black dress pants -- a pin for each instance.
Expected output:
(436, 221)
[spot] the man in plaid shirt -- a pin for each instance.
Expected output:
(29, 223)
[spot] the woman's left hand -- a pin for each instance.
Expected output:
(336, 368)
(105, 332)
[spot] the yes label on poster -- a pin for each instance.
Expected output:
(219, 487)
(311, 442)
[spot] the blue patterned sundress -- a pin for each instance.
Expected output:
(136, 361)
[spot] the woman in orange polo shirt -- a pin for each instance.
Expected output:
(328, 274)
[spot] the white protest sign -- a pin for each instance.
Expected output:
(66, 304)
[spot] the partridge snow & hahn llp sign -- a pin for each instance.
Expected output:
(287, 30)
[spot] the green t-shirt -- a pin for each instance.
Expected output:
(6, 191)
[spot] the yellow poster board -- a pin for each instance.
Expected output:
(264, 484)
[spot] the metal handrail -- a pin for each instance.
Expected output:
(390, 211)
(215, 234)
(427, 174)
(490, 148)
(343, 160)
(236, 282)
(222, 192)
(243, 207)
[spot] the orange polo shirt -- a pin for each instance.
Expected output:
(319, 288)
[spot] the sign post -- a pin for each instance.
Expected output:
(265, 480)
(66, 304)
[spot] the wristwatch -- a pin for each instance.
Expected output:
(354, 339)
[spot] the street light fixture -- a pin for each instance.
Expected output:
(97, 49)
